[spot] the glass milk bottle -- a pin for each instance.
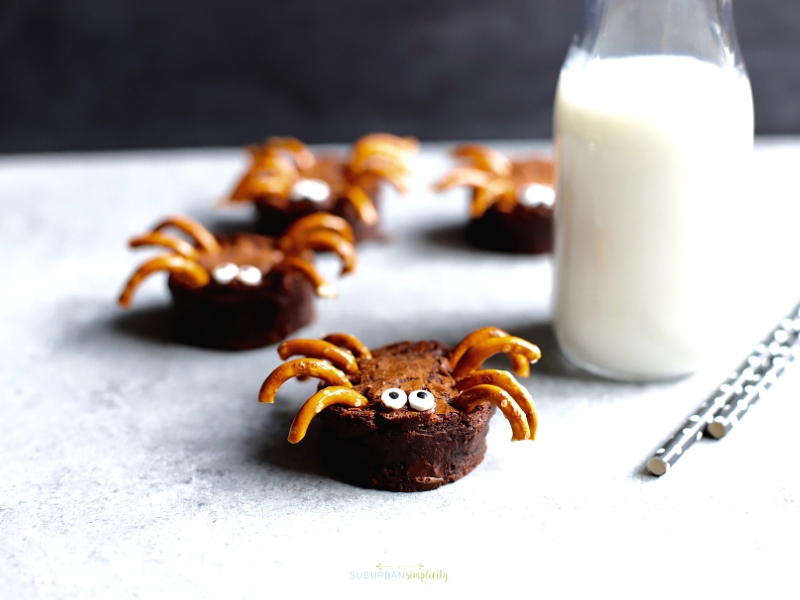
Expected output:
(653, 135)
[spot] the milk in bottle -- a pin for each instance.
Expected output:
(652, 154)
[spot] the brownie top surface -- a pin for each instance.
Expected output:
(243, 249)
(410, 366)
(329, 169)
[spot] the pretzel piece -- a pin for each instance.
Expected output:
(351, 342)
(469, 176)
(172, 242)
(505, 381)
(363, 204)
(472, 397)
(494, 191)
(179, 266)
(317, 403)
(339, 357)
(295, 148)
(320, 220)
(473, 358)
(484, 158)
(204, 238)
(301, 367)
(321, 239)
(321, 286)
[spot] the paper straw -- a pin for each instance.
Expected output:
(762, 372)
(740, 390)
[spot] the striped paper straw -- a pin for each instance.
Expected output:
(740, 390)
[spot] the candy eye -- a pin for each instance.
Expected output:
(421, 400)
(394, 398)
(536, 194)
(249, 275)
(315, 190)
(224, 273)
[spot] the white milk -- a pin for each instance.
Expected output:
(652, 154)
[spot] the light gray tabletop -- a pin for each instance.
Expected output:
(132, 466)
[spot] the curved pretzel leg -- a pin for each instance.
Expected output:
(507, 201)
(384, 168)
(351, 342)
(385, 143)
(505, 381)
(319, 401)
(396, 161)
(519, 364)
(363, 204)
(479, 335)
(275, 161)
(473, 358)
(166, 240)
(272, 173)
(202, 236)
(340, 358)
(484, 158)
(322, 239)
(295, 148)
(469, 399)
(261, 183)
(320, 220)
(469, 176)
(178, 265)
(493, 192)
(305, 367)
(321, 286)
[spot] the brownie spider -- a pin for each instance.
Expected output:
(410, 415)
(242, 290)
(512, 201)
(286, 181)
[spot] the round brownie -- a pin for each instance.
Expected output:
(412, 453)
(404, 450)
(235, 315)
(238, 317)
(276, 213)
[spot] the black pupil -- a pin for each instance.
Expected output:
(394, 395)
(421, 395)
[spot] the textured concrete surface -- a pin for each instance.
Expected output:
(134, 467)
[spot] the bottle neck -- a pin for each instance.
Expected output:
(701, 29)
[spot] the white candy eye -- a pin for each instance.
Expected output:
(421, 400)
(536, 194)
(315, 190)
(394, 398)
(249, 275)
(224, 273)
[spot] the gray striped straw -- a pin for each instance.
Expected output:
(741, 389)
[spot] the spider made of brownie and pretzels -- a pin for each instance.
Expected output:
(243, 290)
(409, 416)
(512, 201)
(286, 181)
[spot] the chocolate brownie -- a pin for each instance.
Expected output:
(404, 450)
(242, 291)
(410, 416)
(526, 227)
(233, 315)
(523, 230)
(276, 214)
(286, 182)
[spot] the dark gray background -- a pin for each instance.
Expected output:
(97, 74)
